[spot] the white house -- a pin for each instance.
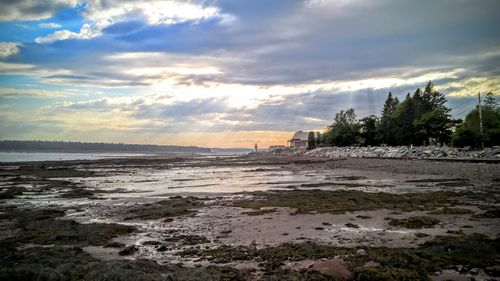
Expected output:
(299, 140)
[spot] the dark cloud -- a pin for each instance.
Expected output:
(290, 42)
(24, 10)
(181, 110)
(269, 43)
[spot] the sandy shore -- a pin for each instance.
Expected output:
(197, 212)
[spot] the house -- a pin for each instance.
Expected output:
(299, 140)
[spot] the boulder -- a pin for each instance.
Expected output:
(333, 268)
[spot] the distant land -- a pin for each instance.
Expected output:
(67, 146)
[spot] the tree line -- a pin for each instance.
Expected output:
(14, 145)
(420, 119)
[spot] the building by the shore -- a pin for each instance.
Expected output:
(299, 140)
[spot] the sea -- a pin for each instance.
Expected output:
(60, 156)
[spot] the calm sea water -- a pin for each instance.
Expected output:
(58, 156)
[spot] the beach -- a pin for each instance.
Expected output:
(251, 217)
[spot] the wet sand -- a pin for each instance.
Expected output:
(183, 207)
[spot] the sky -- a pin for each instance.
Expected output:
(231, 73)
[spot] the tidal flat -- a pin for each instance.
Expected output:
(251, 217)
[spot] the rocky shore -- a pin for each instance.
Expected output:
(405, 152)
(251, 217)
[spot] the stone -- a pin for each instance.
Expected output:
(114, 244)
(361, 252)
(127, 251)
(333, 268)
(151, 243)
(493, 270)
(162, 248)
(351, 225)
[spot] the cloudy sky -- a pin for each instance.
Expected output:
(231, 73)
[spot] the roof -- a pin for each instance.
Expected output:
(301, 136)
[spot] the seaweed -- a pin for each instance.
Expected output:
(341, 201)
(415, 222)
(172, 207)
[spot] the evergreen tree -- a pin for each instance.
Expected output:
(405, 115)
(432, 118)
(387, 127)
(490, 102)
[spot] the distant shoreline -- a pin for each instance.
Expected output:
(85, 147)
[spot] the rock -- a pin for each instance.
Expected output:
(351, 225)
(127, 251)
(474, 271)
(114, 244)
(333, 268)
(459, 267)
(162, 248)
(371, 264)
(493, 270)
(151, 243)
(361, 252)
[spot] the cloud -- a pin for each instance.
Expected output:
(32, 10)
(8, 49)
(236, 65)
(16, 68)
(17, 126)
(155, 12)
(13, 93)
(86, 32)
(49, 25)
(102, 14)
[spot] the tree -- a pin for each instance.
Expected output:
(311, 141)
(387, 125)
(490, 102)
(368, 130)
(344, 131)
(419, 119)
(468, 134)
(404, 117)
(318, 138)
(436, 124)
(423, 117)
